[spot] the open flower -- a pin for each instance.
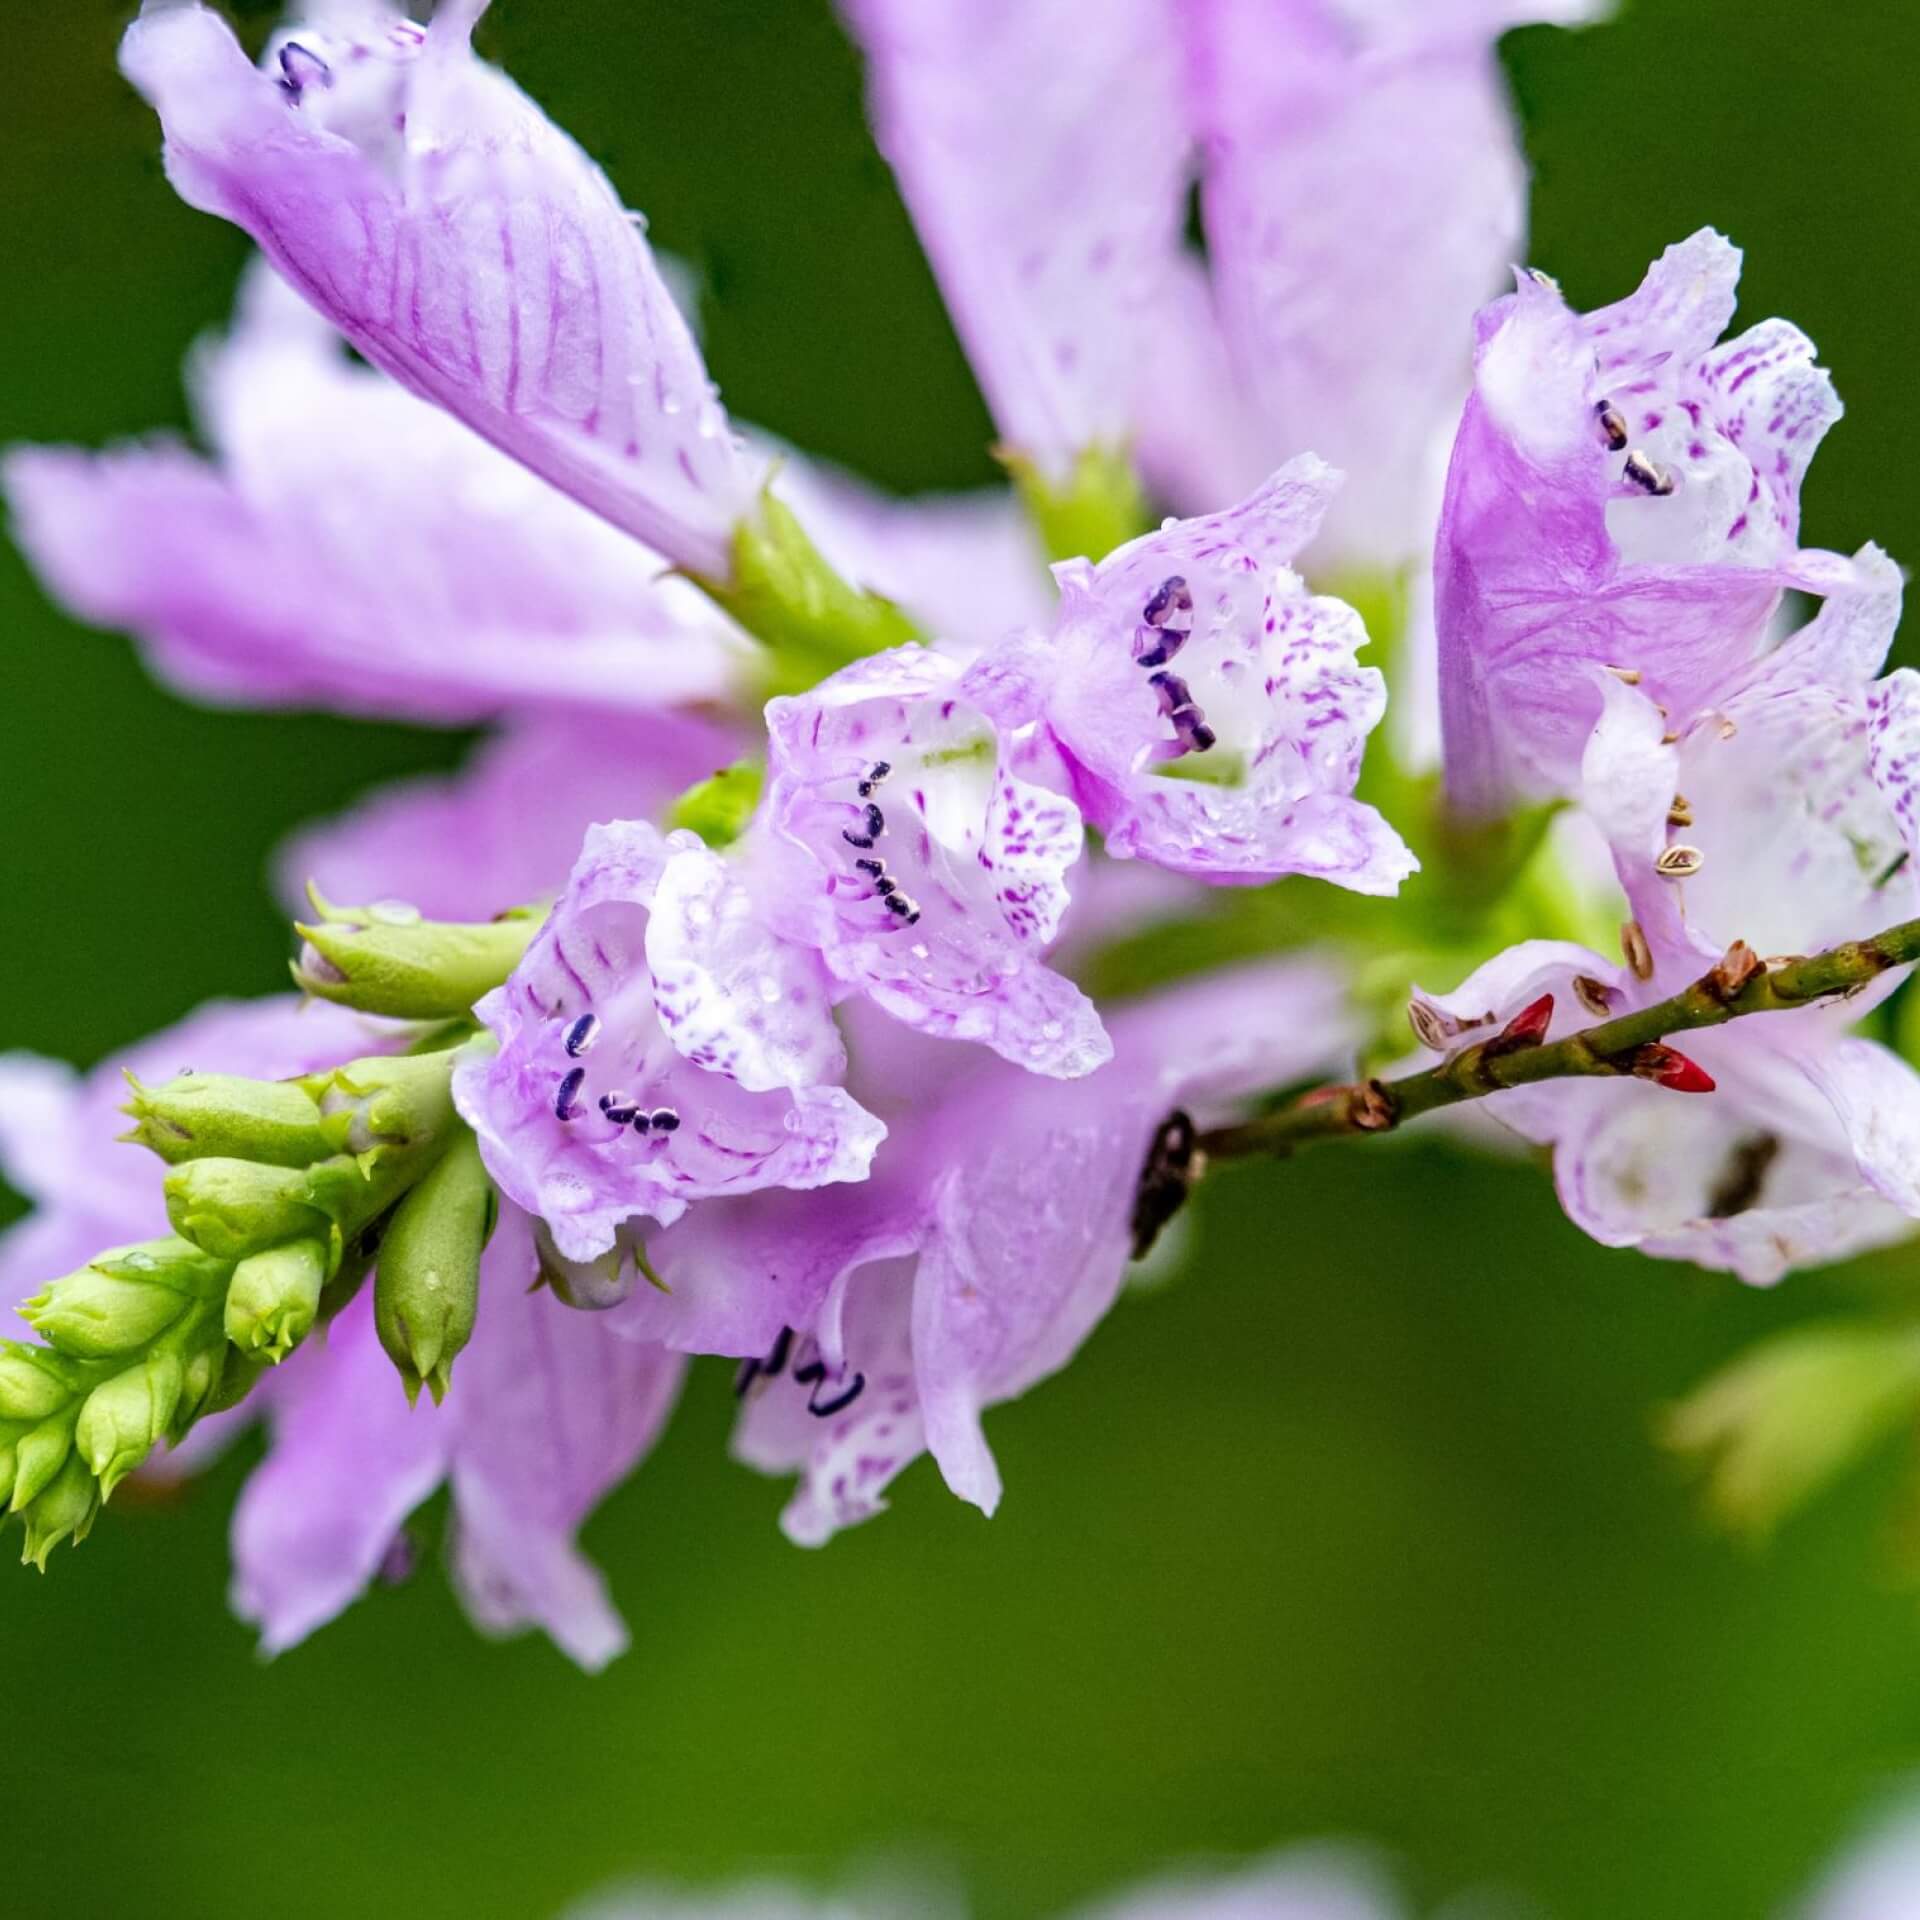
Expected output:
(929, 875)
(1624, 493)
(464, 244)
(990, 1242)
(659, 1043)
(1209, 709)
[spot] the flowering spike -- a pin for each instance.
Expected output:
(1668, 1067)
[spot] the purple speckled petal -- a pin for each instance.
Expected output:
(584, 1060)
(553, 1409)
(1621, 494)
(1500, 987)
(515, 812)
(349, 1461)
(1893, 749)
(1210, 707)
(1044, 153)
(355, 548)
(464, 244)
(1016, 1195)
(922, 868)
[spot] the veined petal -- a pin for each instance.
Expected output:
(1212, 709)
(926, 873)
(464, 244)
(1893, 749)
(589, 1114)
(553, 1409)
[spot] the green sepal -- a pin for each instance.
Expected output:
(274, 1298)
(35, 1383)
(387, 960)
(127, 1416)
(124, 1298)
(389, 1101)
(38, 1456)
(426, 1286)
(719, 807)
(1098, 506)
(64, 1510)
(223, 1116)
(1791, 1414)
(785, 594)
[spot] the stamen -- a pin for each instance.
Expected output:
(777, 1354)
(873, 826)
(642, 1122)
(301, 68)
(581, 1035)
(841, 1401)
(875, 867)
(877, 773)
(1595, 995)
(1177, 703)
(618, 1108)
(1633, 943)
(665, 1120)
(900, 903)
(563, 1107)
(1680, 814)
(1631, 676)
(1648, 477)
(1613, 423)
(1171, 596)
(1679, 862)
(744, 1376)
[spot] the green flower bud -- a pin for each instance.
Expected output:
(38, 1456)
(232, 1208)
(222, 1116)
(427, 1286)
(718, 809)
(123, 1298)
(785, 594)
(33, 1383)
(386, 959)
(64, 1510)
(203, 1376)
(1791, 1414)
(1097, 507)
(389, 1101)
(126, 1417)
(239, 1374)
(275, 1297)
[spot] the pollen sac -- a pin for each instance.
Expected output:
(1647, 475)
(1613, 426)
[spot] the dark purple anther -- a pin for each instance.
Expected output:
(1647, 476)
(1155, 646)
(301, 68)
(1170, 597)
(642, 1122)
(841, 1401)
(874, 867)
(879, 771)
(1177, 703)
(777, 1353)
(563, 1107)
(581, 1035)
(1613, 423)
(900, 903)
(665, 1120)
(618, 1108)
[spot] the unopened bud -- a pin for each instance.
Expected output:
(126, 1417)
(1095, 506)
(427, 1286)
(123, 1298)
(386, 959)
(204, 1375)
(718, 809)
(1526, 1029)
(1667, 1067)
(201, 1116)
(232, 1208)
(275, 1297)
(38, 1456)
(63, 1511)
(34, 1383)
(387, 1101)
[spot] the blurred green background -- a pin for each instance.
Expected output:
(1355, 1529)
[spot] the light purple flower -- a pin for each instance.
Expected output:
(1209, 709)
(898, 840)
(1363, 192)
(463, 243)
(1807, 1150)
(658, 1044)
(1623, 493)
(1304, 1883)
(548, 1410)
(353, 547)
(1044, 151)
(991, 1240)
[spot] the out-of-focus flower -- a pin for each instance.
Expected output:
(659, 1043)
(1209, 710)
(881, 1322)
(898, 841)
(1624, 493)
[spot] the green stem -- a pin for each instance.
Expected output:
(1737, 986)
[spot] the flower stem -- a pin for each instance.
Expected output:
(1738, 985)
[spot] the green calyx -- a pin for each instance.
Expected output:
(123, 1299)
(783, 591)
(426, 1287)
(1096, 506)
(719, 807)
(274, 1298)
(386, 959)
(222, 1116)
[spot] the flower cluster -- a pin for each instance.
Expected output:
(797, 1062)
